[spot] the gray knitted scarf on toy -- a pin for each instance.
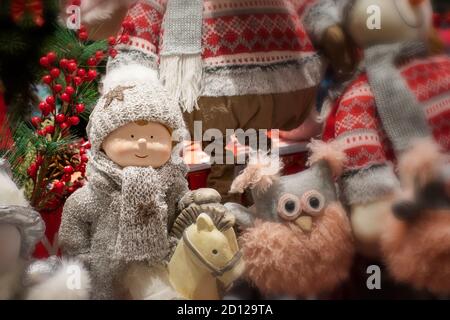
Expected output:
(402, 115)
(142, 231)
(181, 62)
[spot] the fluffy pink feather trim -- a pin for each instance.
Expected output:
(418, 252)
(259, 175)
(329, 152)
(281, 259)
(421, 161)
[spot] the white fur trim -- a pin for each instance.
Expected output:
(149, 283)
(10, 195)
(182, 77)
(57, 286)
(127, 74)
(246, 80)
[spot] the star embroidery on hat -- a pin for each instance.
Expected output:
(115, 94)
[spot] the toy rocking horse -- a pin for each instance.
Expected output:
(206, 260)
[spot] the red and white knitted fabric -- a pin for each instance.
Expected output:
(248, 46)
(354, 121)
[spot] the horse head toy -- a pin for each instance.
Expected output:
(206, 261)
(207, 257)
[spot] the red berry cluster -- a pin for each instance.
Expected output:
(67, 79)
(71, 177)
(128, 28)
(64, 77)
(69, 182)
(34, 166)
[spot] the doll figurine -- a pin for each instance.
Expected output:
(135, 183)
(20, 229)
(229, 64)
(296, 239)
(400, 96)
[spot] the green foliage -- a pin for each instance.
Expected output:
(60, 147)
(20, 49)
(66, 44)
(27, 144)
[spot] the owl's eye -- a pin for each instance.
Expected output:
(313, 202)
(289, 207)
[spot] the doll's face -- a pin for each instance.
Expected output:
(10, 241)
(139, 144)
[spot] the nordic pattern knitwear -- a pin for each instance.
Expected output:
(355, 122)
(259, 38)
(91, 219)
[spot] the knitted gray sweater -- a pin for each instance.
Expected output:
(92, 220)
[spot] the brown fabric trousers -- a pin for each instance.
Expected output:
(284, 111)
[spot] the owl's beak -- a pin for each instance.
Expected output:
(305, 223)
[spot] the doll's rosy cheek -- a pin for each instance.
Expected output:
(119, 150)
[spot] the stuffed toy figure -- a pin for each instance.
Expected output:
(206, 261)
(20, 229)
(230, 64)
(296, 239)
(398, 96)
(135, 183)
(416, 238)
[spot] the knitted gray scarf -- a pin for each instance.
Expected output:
(143, 219)
(181, 63)
(402, 115)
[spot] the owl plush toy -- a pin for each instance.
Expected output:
(297, 239)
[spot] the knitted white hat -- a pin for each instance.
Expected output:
(130, 102)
